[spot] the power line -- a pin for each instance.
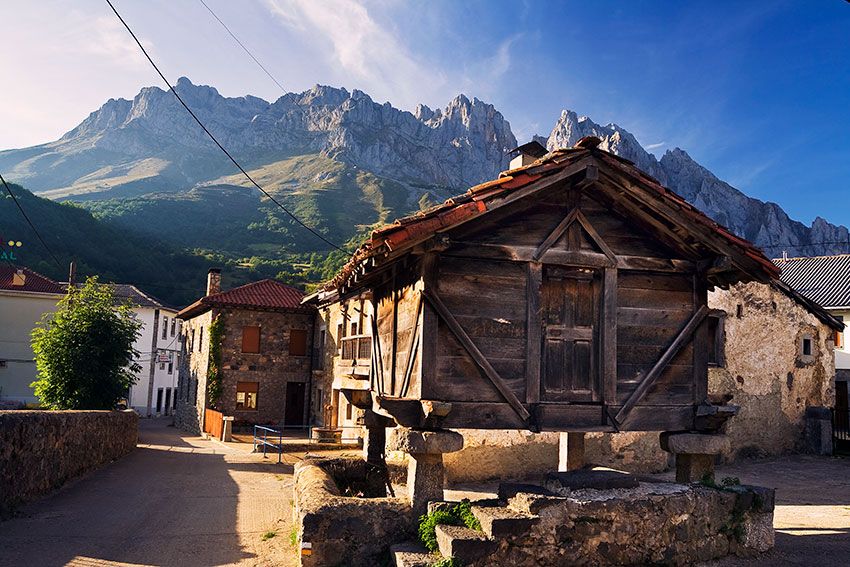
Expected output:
(29, 222)
(215, 140)
(245, 49)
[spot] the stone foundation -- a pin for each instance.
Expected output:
(654, 523)
(41, 450)
(338, 529)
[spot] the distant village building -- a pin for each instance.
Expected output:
(25, 296)
(266, 342)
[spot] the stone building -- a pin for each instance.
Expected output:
(342, 356)
(266, 341)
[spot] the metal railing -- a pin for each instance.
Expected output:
(275, 439)
(356, 347)
(264, 440)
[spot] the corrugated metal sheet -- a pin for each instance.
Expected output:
(823, 279)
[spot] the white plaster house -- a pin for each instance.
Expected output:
(25, 296)
(826, 280)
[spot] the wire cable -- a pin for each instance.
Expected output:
(29, 222)
(245, 49)
(215, 140)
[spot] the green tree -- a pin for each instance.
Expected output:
(84, 350)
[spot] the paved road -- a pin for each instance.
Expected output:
(176, 500)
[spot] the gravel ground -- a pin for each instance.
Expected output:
(176, 500)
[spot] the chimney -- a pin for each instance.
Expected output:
(526, 154)
(213, 281)
(72, 274)
(784, 255)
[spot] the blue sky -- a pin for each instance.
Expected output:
(758, 92)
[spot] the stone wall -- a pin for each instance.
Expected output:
(41, 450)
(194, 362)
(652, 524)
(501, 454)
(344, 530)
(273, 368)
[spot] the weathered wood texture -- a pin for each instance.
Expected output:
(525, 290)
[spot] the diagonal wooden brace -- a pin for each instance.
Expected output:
(476, 355)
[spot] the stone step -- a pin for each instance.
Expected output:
(411, 554)
(464, 544)
(499, 521)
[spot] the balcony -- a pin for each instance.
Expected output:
(356, 354)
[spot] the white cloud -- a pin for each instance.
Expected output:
(655, 146)
(363, 51)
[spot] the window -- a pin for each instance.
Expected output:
(201, 340)
(807, 346)
(165, 327)
(298, 342)
(175, 401)
(159, 400)
(173, 326)
(171, 367)
(348, 411)
(246, 395)
(353, 329)
(251, 339)
(162, 366)
(192, 341)
(838, 336)
(319, 352)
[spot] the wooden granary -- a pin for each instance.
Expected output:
(567, 295)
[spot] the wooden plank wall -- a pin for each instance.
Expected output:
(488, 298)
(397, 311)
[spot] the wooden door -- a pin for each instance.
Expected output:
(294, 411)
(570, 312)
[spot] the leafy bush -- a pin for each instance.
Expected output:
(458, 515)
(84, 350)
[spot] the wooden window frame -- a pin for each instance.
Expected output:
(719, 353)
(246, 388)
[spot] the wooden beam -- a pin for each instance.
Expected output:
(553, 236)
(429, 270)
(582, 220)
(609, 336)
(411, 350)
(476, 355)
(534, 330)
(526, 254)
(649, 379)
(513, 196)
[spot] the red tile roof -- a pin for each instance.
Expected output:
(33, 281)
(264, 294)
(409, 231)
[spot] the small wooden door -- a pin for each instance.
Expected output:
(570, 311)
(294, 410)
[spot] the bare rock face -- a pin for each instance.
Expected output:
(461, 145)
(765, 224)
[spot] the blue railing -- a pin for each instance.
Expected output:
(263, 440)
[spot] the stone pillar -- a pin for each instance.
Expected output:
(375, 440)
(818, 430)
(570, 451)
(695, 454)
(227, 428)
(425, 463)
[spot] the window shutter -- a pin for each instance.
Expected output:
(298, 342)
(251, 339)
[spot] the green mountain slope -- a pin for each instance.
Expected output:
(99, 248)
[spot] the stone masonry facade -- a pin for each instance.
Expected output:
(273, 369)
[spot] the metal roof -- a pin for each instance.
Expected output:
(823, 279)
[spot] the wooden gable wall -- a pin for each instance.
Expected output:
(489, 279)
